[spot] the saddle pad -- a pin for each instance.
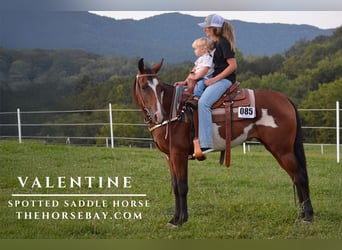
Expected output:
(177, 100)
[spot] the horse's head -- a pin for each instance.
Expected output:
(149, 92)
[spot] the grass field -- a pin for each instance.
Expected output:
(253, 199)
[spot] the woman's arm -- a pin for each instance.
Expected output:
(232, 66)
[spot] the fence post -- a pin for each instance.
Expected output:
(337, 131)
(19, 125)
(111, 125)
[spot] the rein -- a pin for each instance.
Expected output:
(177, 118)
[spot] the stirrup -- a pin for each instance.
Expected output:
(198, 154)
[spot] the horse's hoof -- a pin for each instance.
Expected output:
(307, 220)
(171, 226)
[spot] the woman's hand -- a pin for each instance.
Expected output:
(232, 65)
(209, 82)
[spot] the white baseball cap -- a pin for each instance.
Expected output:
(212, 20)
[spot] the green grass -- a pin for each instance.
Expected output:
(253, 199)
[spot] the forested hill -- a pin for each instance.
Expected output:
(56, 79)
(310, 73)
(165, 36)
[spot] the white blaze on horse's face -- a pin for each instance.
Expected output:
(158, 115)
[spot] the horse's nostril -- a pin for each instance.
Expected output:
(158, 116)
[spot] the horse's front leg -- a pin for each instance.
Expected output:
(178, 164)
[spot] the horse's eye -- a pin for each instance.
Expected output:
(144, 86)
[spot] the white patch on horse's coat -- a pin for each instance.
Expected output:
(266, 119)
(244, 136)
(218, 141)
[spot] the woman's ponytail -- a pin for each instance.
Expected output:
(228, 33)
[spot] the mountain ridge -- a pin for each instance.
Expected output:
(166, 36)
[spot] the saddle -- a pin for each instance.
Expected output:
(236, 98)
(239, 97)
(225, 110)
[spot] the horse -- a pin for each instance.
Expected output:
(276, 125)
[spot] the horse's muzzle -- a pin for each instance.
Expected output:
(158, 117)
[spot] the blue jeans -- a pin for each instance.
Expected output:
(211, 94)
(200, 87)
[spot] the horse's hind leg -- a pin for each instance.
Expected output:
(299, 176)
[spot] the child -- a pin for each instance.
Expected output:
(203, 67)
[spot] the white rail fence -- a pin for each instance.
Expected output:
(110, 139)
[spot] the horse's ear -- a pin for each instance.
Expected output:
(141, 66)
(157, 67)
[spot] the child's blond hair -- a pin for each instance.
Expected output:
(203, 42)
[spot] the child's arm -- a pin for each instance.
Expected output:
(200, 74)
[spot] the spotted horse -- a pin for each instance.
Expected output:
(276, 124)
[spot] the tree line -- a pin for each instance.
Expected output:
(309, 73)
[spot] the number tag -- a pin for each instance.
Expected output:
(246, 112)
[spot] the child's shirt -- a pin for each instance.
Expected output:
(205, 61)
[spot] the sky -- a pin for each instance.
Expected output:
(320, 19)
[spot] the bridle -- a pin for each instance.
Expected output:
(148, 115)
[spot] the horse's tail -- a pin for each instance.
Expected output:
(299, 147)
